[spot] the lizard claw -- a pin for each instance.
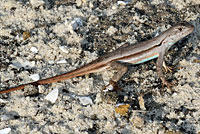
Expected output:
(168, 84)
(168, 68)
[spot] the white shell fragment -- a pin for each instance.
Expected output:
(121, 3)
(35, 77)
(51, 62)
(52, 96)
(34, 50)
(19, 62)
(37, 3)
(119, 104)
(64, 49)
(85, 100)
(156, 34)
(61, 62)
(5, 131)
(2, 101)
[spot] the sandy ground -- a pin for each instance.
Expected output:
(43, 38)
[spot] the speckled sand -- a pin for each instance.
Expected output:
(44, 38)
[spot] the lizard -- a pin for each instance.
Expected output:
(134, 54)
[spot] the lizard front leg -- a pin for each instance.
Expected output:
(121, 70)
(159, 65)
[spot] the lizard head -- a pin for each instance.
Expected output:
(178, 32)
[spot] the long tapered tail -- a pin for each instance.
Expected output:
(89, 68)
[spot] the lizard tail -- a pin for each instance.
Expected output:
(90, 68)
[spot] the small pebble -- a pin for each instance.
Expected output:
(61, 62)
(141, 102)
(37, 3)
(111, 30)
(5, 118)
(77, 23)
(78, 3)
(2, 101)
(51, 62)
(35, 77)
(19, 62)
(5, 131)
(34, 50)
(122, 109)
(121, 3)
(26, 35)
(85, 100)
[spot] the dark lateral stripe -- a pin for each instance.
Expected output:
(137, 54)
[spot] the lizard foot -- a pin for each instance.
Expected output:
(169, 86)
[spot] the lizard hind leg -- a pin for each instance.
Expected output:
(121, 70)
